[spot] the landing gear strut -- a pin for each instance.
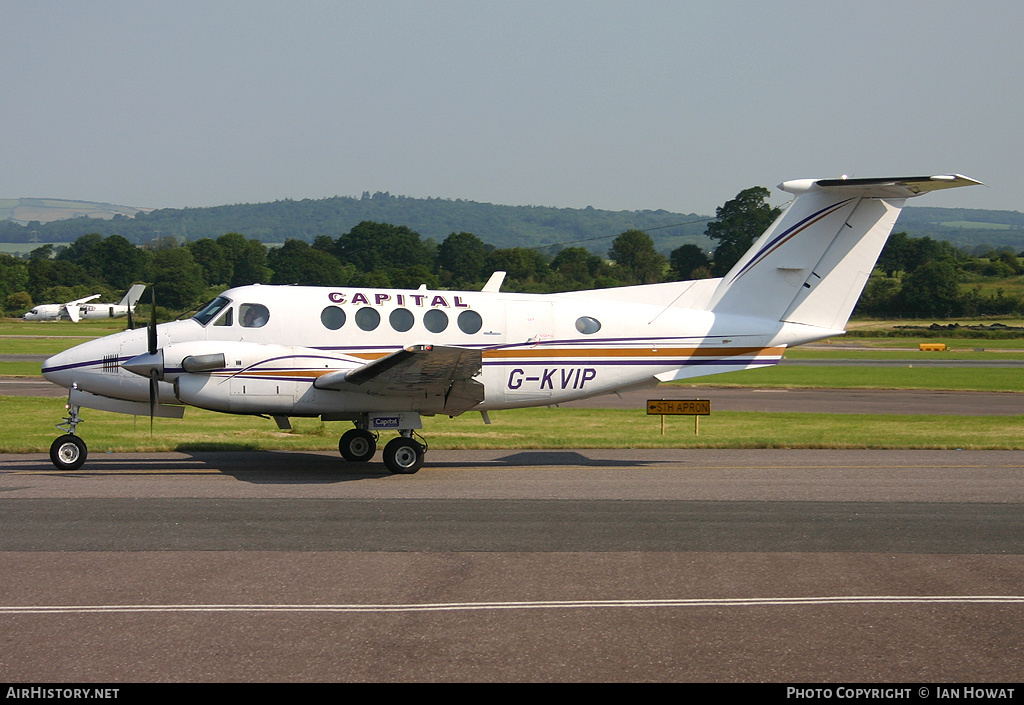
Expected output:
(68, 452)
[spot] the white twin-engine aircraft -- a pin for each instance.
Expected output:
(383, 358)
(80, 308)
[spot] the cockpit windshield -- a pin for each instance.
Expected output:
(210, 310)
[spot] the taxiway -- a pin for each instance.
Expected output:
(666, 565)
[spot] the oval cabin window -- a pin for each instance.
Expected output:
(587, 325)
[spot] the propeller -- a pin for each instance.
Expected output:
(152, 321)
(154, 372)
(149, 364)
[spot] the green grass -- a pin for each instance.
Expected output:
(988, 379)
(975, 225)
(19, 337)
(82, 329)
(10, 345)
(29, 428)
(867, 325)
(911, 355)
(21, 369)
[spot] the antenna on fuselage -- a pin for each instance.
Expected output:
(493, 284)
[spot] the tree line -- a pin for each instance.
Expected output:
(915, 277)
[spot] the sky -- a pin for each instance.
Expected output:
(617, 105)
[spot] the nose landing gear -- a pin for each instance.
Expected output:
(68, 452)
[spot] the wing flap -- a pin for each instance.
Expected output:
(442, 375)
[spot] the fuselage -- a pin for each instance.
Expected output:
(55, 312)
(535, 349)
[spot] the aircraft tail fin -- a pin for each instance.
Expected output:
(133, 295)
(812, 263)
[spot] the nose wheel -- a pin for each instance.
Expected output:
(68, 452)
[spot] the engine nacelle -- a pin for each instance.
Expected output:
(247, 378)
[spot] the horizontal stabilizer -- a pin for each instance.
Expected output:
(891, 187)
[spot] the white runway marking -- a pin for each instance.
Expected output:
(560, 604)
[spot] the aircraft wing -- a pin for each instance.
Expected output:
(72, 306)
(443, 373)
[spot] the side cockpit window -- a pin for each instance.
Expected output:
(226, 318)
(210, 310)
(253, 315)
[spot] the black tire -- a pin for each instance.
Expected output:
(403, 456)
(357, 445)
(68, 452)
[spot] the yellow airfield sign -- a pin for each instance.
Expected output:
(680, 407)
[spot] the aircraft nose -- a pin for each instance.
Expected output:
(60, 368)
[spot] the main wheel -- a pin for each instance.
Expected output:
(357, 445)
(68, 452)
(403, 456)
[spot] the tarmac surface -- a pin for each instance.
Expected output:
(777, 566)
(806, 566)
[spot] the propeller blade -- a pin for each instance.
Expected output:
(152, 322)
(154, 374)
(154, 391)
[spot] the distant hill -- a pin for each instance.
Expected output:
(967, 228)
(54, 220)
(46, 210)
(434, 218)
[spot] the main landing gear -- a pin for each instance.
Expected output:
(68, 452)
(357, 445)
(402, 455)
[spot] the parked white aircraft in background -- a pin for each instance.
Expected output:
(79, 308)
(382, 358)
